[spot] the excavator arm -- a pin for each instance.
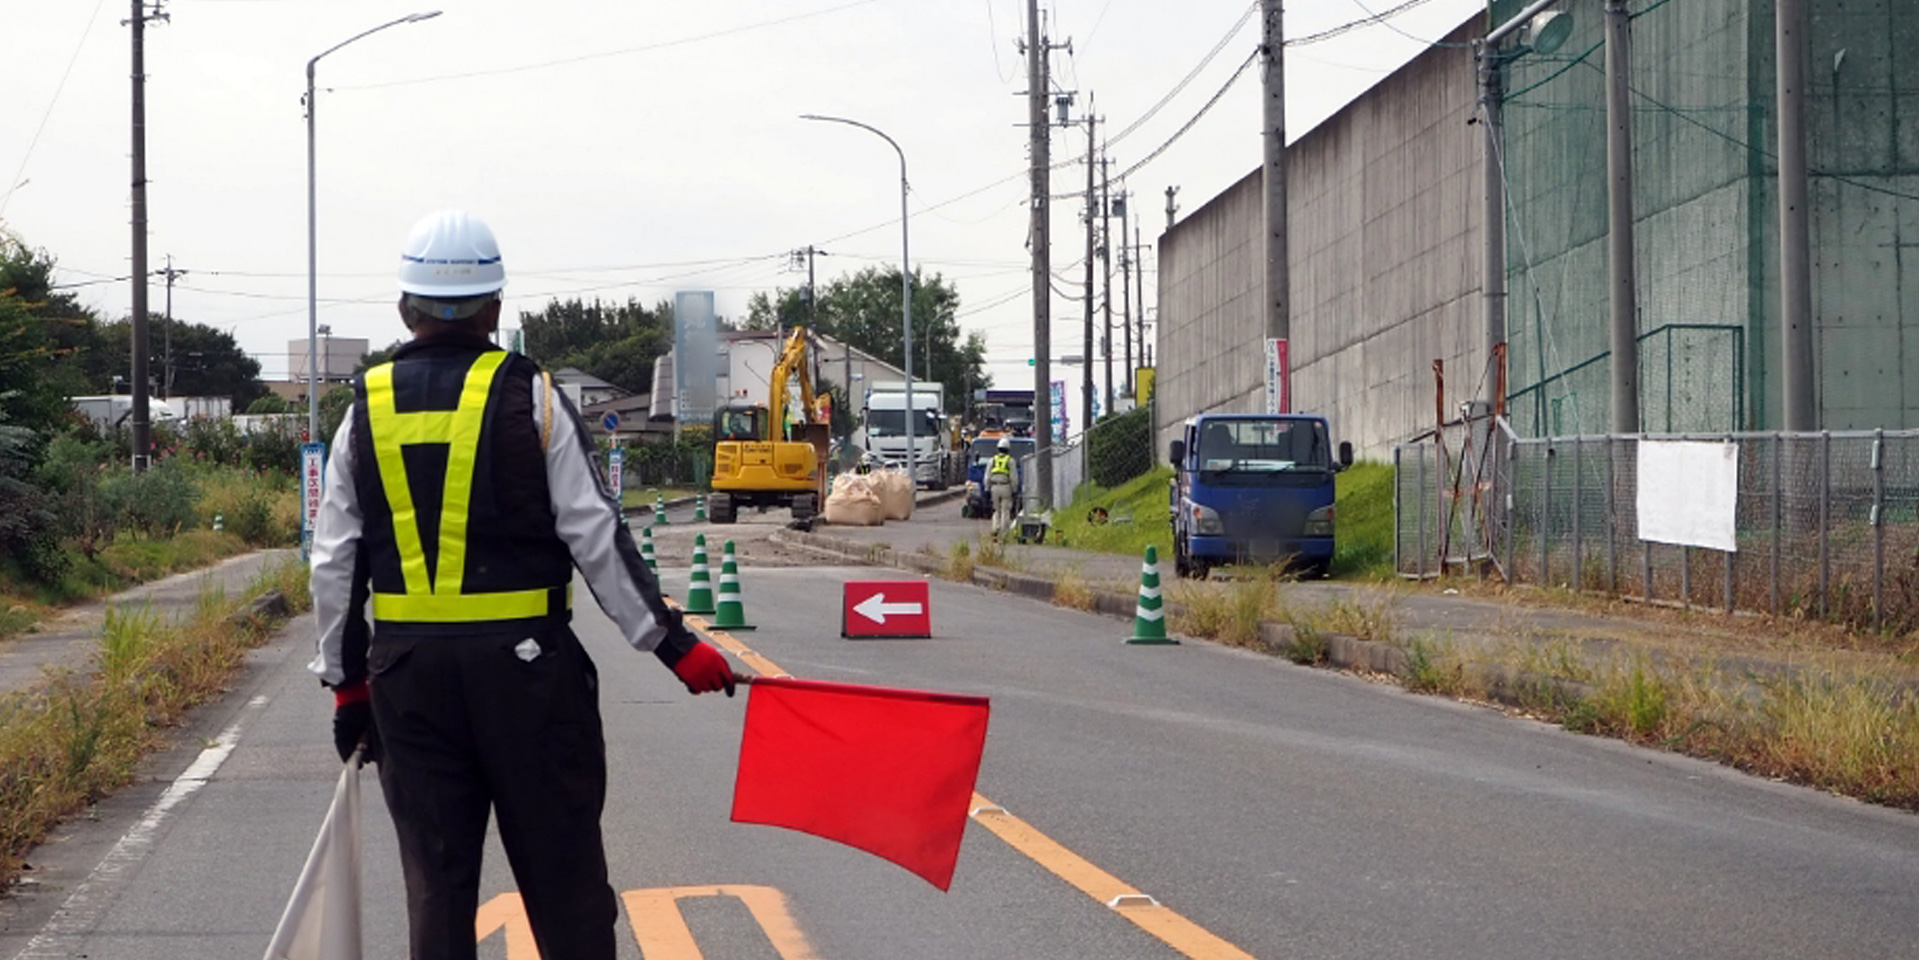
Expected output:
(793, 361)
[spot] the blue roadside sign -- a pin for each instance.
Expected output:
(611, 421)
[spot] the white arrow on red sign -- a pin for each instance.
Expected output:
(877, 609)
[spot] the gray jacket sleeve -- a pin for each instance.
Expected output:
(333, 569)
(587, 519)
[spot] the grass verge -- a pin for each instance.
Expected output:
(75, 737)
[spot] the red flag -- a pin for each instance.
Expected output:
(887, 771)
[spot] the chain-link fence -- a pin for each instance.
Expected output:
(1114, 451)
(1827, 525)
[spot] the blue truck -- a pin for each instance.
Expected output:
(980, 453)
(1254, 488)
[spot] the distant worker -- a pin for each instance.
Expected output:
(1002, 481)
(460, 496)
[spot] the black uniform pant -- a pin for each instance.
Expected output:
(473, 724)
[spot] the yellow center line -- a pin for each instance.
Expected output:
(1183, 935)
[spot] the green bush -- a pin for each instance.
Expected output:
(1120, 448)
(157, 503)
(275, 448)
(252, 521)
(214, 441)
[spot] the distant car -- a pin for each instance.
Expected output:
(979, 454)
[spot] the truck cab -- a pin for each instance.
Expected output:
(1254, 488)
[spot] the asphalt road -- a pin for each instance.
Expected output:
(1270, 810)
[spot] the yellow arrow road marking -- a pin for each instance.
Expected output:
(1183, 935)
(662, 930)
(658, 926)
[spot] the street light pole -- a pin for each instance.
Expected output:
(906, 280)
(313, 300)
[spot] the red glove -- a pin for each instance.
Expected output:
(704, 670)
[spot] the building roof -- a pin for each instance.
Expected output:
(585, 380)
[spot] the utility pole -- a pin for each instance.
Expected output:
(166, 352)
(1106, 277)
(1623, 328)
(1039, 85)
(1796, 293)
(1126, 299)
(1275, 177)
(1086, 353)
(1140, 277)
(1172, 207)
(142, 438)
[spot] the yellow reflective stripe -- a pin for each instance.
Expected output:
(465, 608)
(384, 424)
(459, 429)
(464, 449)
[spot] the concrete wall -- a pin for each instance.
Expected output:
(1384, 230)
(1385, 212)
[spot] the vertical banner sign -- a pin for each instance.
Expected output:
(1059, 403)
(696, 356)
(1279, 377)
(616, 465)
(313, 480)
(1143, 386)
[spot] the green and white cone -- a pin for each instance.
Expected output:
(699, 509)
(1149, 620)
(659, 509)
(646, 551)
(730, 615)
(700, 585)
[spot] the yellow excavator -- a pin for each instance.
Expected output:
(761, 461)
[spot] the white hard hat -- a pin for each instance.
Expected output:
(1003, 446)
(451, 254)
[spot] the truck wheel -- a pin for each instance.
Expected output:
(1319, 569)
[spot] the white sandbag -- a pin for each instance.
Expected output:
(853, 502)
(896, 494)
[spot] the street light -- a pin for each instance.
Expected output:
(313, 300)
(906, 296)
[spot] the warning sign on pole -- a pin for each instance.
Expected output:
(1279, 377)
(313, 480)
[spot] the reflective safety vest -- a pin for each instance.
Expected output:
(486, 563)
(1002, 463)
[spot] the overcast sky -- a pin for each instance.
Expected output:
(629, 149)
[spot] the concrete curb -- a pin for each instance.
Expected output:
(1503, 684)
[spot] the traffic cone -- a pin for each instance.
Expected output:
(700, 585)
(1149, 620)
(646, 551)
(659, 509)
(699, 509)
(730, 615)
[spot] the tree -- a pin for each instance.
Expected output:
(45, 337)
(863, 310)
(615, 342)
(206, 362)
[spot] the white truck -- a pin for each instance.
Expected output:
(883, 431)
(114, 411)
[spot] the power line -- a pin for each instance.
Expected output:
(1177, 134)
(44, 117)
(1191, 74)
(582, 58)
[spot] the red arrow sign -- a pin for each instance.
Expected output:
(886, 608)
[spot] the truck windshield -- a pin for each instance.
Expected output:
(893, 423)
(1263, 446)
